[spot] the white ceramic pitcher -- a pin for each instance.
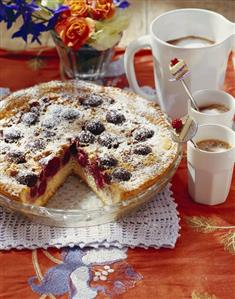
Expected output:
(207, 64)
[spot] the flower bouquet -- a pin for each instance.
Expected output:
(84, 31)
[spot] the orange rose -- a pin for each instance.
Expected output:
(77, 7)
(101, 9)
(65, 14)
(73, 31)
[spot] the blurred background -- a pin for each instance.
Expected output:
(142, 13)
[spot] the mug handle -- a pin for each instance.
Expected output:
(141, 42)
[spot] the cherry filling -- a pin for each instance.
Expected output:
(93, 168)
(99, 177)
(42, 175)
(33, 191)
(42, 187)
(66, 157)
(82, 158)
(54, 164)
(73, 149)
(107, 178)
(52, 167)
(50, 170)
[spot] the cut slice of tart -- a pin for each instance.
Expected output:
(117, 142)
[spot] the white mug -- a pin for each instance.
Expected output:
(208, 97)
(207, 64)
(210, 173)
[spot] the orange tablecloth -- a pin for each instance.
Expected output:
(202, 265)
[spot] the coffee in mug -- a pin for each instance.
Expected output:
(210, 170)
(191, 42)
(213, 145)
(214, 109)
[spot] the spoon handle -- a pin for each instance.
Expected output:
(195, 145)
(189, 94)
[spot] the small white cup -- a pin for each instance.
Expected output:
(208, 97)
(210, 173)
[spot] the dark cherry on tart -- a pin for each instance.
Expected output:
(102, 134)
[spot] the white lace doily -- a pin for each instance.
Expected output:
(156, 225)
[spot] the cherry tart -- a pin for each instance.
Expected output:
(115, 141)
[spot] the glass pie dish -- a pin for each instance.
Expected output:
(76, 205)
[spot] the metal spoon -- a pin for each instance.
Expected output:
(193, 102)
(188, 131)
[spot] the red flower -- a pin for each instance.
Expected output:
(73, 31)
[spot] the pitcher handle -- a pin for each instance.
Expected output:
(141, 42)
(232, 36)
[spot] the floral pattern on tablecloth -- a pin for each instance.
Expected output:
(224, 233)
(200, 295)
(82, 274)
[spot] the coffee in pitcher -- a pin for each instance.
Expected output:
(191, 41)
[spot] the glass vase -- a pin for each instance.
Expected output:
(86, 63)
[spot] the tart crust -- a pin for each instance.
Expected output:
(62, 111)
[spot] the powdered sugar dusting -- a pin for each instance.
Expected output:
(55, 112)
